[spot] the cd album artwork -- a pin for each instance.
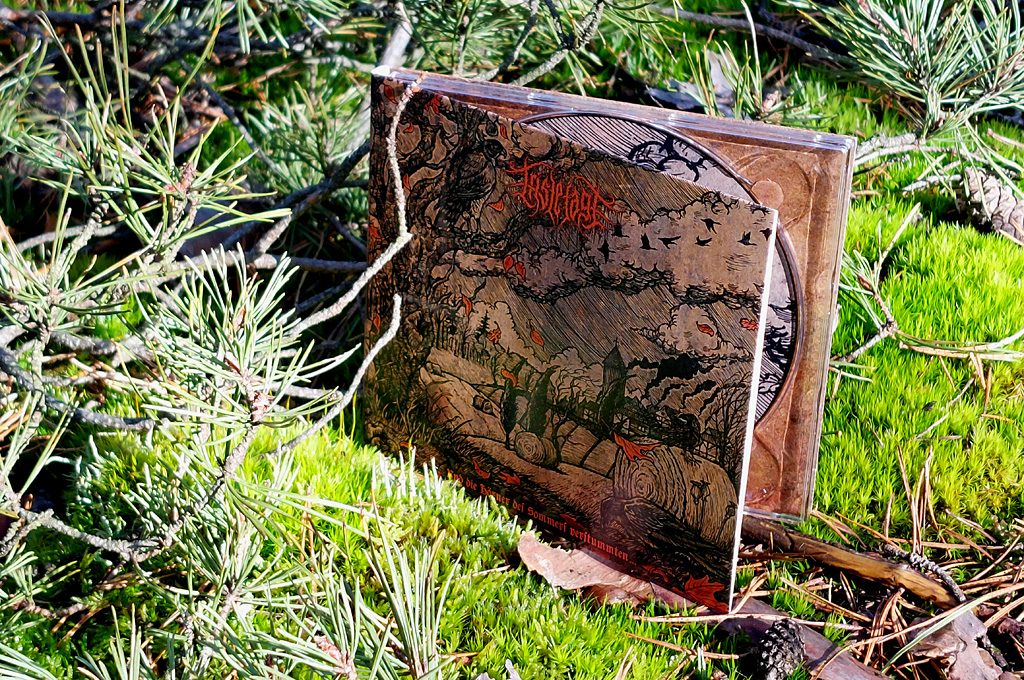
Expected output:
(597, 309)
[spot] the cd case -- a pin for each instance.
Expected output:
(616, 319)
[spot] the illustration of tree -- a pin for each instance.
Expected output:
(725, 423)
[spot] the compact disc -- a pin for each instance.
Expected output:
(674, 154)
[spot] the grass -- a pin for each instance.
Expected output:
(494, 612)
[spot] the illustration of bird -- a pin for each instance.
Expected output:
(535, 336)
(710, 224)
(645, 243)
(605, 250)
(512, 479)
(746, 239)
(669, 241)
(704, 328)
(767, 233)
(633, 451)
(703, 241)
(748, 324)
(494, 335)
(480, 472)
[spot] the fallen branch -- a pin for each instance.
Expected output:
(780, 540)
(576, 568)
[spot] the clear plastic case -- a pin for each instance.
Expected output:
(805, 175)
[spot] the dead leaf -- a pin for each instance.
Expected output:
(576, 569)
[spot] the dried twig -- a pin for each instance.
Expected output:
(404, 235)
(9, 365)
(780, 540)
(921, 562)
(403, 238)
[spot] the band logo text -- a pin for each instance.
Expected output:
(563, 199)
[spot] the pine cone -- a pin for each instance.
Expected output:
(781, 651)
(991, 204)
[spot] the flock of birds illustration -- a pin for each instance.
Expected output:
(669, 241)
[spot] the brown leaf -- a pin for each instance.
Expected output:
(577, 569)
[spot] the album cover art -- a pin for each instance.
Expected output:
(804, 174)
(582, 334)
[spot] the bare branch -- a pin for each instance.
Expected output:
(51, 236)
(350, 393)
(9, 364)
(346, 231)
(394, 51)
(268, 261)
(130, 347)
(404, 235)
(528, 27)
(743, 25)
(303, 202)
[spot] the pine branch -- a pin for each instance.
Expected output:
(129, 347)
(404, 235)
(571, 41)
(509, 59)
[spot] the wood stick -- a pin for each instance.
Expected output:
(779, 539)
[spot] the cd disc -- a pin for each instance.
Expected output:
(674, 154)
